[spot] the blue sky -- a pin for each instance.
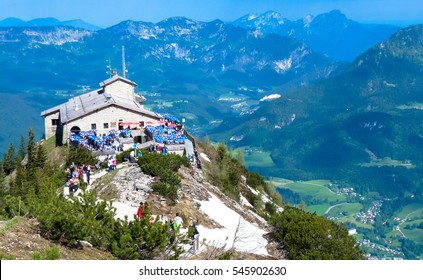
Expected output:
(105, 13)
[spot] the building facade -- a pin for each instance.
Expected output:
(111, 107)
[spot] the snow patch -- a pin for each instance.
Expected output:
(307, 20)
(237, 138)
(271, 96)
(244, 201)
(252, 16)
(237, 232)
(205, 157)
(257, 33)
(281, 66)
(125, 209)
(58, 36)
(389, 84)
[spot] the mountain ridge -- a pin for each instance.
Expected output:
(177, 56)
(329, 33)
(49, 21)
(362, 108)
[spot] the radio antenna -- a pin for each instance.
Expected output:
(123, 63)
(109, 67)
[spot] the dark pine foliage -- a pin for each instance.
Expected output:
(306, 236)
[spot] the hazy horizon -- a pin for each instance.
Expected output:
(103, 13)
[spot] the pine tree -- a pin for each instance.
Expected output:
(9, 159)
(17, 185)
(22, 149)
(221, 153)
(240, 157)
(41, 157)
(2, 177)
(31, 164)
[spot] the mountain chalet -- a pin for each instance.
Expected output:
(114, 106)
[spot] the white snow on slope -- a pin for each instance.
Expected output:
(249, 237)
(271, 96)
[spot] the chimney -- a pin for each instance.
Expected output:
(114, 73)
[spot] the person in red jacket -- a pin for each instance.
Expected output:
(140, 210)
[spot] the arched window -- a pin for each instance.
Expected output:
(75, 129)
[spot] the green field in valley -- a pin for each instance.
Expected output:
(255, 159)
(320, 209)
(317, 189)
(387, 161)
(259, 159)
(413, 209)
(346, 208)
(415, 234)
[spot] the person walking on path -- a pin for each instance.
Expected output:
(177, 222)
(87, 169)
(140, 211)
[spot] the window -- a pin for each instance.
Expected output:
(54, 121)
(141, 123)
(105, 125)
(93, 126)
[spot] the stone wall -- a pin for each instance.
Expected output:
(49, 128)
(121, 89)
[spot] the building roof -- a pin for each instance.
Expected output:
(87, 103)
(115, 78)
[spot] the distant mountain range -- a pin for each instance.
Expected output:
(15, 22)
(207, 71)
(188, 63)
(331, 33)
(362, 128)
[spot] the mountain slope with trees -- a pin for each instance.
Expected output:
(341, 128)
(34, 190)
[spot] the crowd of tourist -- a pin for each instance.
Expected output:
(94, 142)
(77, 175)
(168, 131)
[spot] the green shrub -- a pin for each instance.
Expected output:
(125, 154)
(80, 156)
(164, 167)
(225, 171)
(168, 191)
(13, 206)
(52, 253)
(270, 208)
(255, 180)
(140, 239)
(307, 236)
(4, 256)
(252, 198)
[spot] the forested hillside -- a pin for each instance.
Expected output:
(32, 187)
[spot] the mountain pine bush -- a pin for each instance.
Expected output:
(306, 236)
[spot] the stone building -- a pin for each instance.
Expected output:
(113, 106)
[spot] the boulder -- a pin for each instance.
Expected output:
(142, 185)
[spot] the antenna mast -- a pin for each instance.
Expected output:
(123, 62)
(109, 67)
